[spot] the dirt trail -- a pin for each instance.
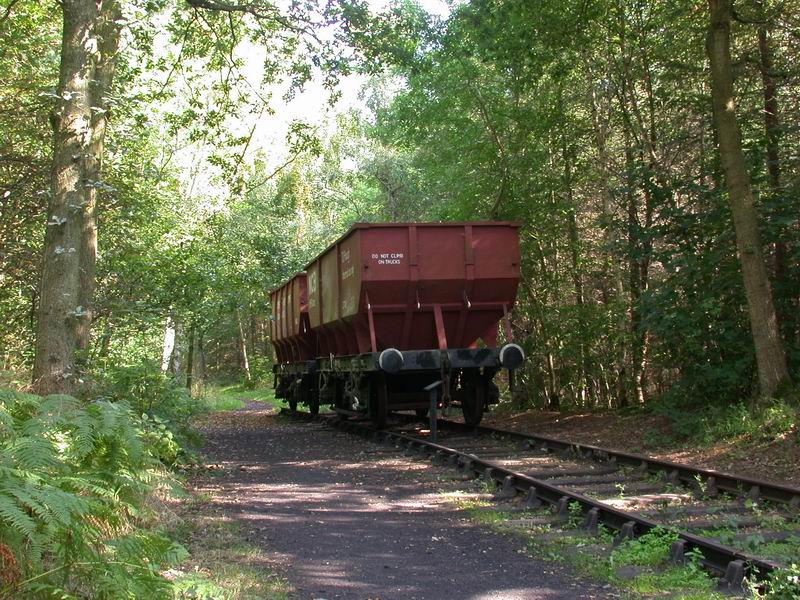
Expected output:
(344, 519)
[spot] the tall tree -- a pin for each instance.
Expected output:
(75, 141)
(772, 129)
(770, 357)
(108, 35)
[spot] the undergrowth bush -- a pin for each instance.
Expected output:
(704, 425)
(74, 478)
(260, 372)
(167, 408)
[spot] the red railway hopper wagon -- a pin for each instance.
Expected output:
(290, 330)
(393, 308)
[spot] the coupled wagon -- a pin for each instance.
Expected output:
(389, 309)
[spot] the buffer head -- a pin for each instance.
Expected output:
(391, 360)
(511, 356)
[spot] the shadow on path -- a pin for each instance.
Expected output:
(344, 519)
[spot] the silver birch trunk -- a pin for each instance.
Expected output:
(243, 343)
(169, 343)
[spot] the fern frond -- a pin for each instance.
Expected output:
(27, 499)
(31, 453)
(84, 433)
(90, 484)
(44, 590)
(15, 517)
(6, 421)
(58, 404)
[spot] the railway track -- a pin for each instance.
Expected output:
(743, 528)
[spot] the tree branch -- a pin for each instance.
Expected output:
(276, 172)
(7, 12)
(261, 11)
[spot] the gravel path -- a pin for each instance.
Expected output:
(344, 519)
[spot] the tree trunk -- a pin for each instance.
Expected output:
(630, 387)
(59, 310)
(546, 342)
(201, 358)
(243, 342)
(266, 346)
(770, 356)
(176, 365)
(190, 360)
(584, 389)
(638, 243)
(607, 216)
(108, 33)
(628, 105)
(169, 343)
(251, 336)
(609, 237)
(105, 344)
(772, 129)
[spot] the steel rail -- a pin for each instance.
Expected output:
(713, 481)
(732, 565)
(729, 563)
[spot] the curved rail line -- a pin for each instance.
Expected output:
(568, 475)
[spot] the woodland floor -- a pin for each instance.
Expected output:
(777, 460)
(341, 518)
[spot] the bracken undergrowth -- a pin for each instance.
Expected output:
(75, 483)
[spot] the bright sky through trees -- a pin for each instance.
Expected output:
(269, 131)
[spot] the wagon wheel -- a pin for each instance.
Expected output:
(295, 397)
(474, 400)
(378, 401)
(339, 399)
(313, 402)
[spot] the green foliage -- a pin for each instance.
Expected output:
(591, 126)
(30, 68)
(223, 565)
(166, 408)
(160, 439)
(651, 548)
(575, 514)
(783, 584)
(233, 397)
(199, 587)
(696, 311)
(260, 372)
(676, 578)
(74, 480)
(761, 423)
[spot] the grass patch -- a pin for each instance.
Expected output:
(649, 549)
(486, 516)
(772, 421)
(221, 403)
(645, 559)
(695, 582)
(222, 565)
(234, 397)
